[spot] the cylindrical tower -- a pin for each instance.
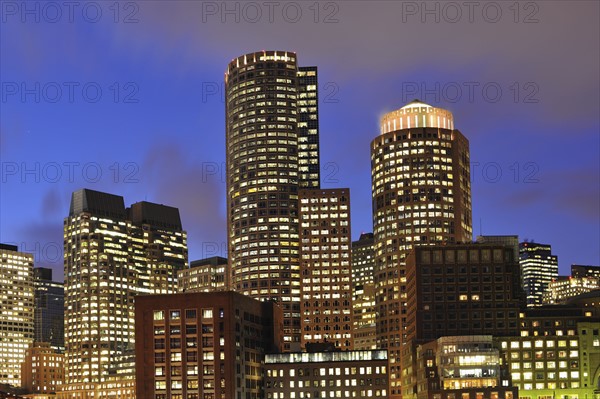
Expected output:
(421, 196)
(262, 181)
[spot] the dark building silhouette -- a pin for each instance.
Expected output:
(49, 312)
(462, 289)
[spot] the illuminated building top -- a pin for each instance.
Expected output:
(417, 114)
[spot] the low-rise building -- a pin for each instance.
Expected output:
(204, 345)
(43, 370)
(337, 374)
(462, 367)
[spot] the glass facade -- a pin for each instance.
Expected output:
(49, 309)
(538, 268)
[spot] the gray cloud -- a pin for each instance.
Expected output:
(194, 186)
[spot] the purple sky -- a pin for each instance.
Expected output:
(156, 131)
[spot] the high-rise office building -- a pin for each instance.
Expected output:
(272, 151)
(112, 254)
(325, 267)
(49, 300)
(208, 345)
(363, 260)
(308, 128)
(538, 268)
(421, 195)
(16, 311)
(363, 294)
(204, 275)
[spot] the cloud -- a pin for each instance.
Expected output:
(52, 203)
(574, 192)
(45, 241)
(196, 187)
(579, 193)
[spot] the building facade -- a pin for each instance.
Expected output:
(350, 374)
(363, 294)
(538, 268)
(566, 287)
(112, 254)
(458, 290)
(506, 240)
(462, 367)
(585, 271)
(110, 389)
(557, 353)
(204, 275)
(16, 311)
(309, 165)
(421, 196)
(272, 151)
(462, 289)
(204, 345)
(325, 267)
(43, 370)
(49, 313)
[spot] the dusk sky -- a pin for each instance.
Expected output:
(127, 98)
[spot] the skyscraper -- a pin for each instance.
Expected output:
(363, 292)
(49, 299)
(421, 195)
(538, 268)
(325, 266)
(16, 311)
(271, 139)
(308, 128)
(112, 254)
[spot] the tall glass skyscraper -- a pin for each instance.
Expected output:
(49, 309)
(538, 268)
(272, 151)
(112, 254)
(421, 195)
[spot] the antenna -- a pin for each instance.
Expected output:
(480, 228)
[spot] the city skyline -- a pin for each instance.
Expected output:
(176, 128)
